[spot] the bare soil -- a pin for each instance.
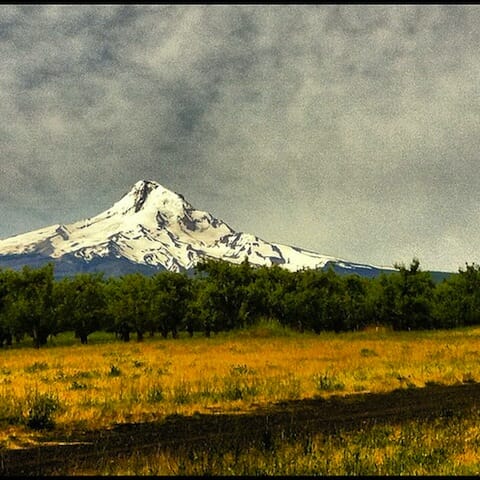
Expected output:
(222, 432)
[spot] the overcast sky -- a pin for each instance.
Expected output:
(351, 130)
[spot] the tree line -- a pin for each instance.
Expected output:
(222, 296)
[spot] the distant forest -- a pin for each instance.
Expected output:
(222, 296)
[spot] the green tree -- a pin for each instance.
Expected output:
(355, 302)
(414, 297)
(129, 304)
(457, 299)
(32, 308)
(222, 293)
(6, 292)
(171, 294)
(82, 304)
(380, 300)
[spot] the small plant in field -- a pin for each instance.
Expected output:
(10, 409)
(138, 363)
(155, 394)
(41, 408)
(78, 386)
(36, 367)
(240, 370)
(181, 393)
(239, 384)
(292, 388)
(327, 382)
(367, 352)
(468, 378)
(406, 381)
(85, 374)
(286, 387)
(164, 369)
(114, 371)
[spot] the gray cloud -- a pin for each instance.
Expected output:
(351, 130)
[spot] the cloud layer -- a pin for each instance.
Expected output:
(351, 130)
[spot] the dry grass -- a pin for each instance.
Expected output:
(101, 384)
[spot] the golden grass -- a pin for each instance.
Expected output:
(98, 385)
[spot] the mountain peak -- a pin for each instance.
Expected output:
(151, 196)
(153, 228)
(140, 192)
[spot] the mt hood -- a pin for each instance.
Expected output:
(150, 229)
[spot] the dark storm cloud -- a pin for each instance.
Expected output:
(348, 129)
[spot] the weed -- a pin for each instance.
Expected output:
(240, 370)
(181, 393)
(41, 408)
(155, 394)
(10, 409)
(367, 352)
(36, 367)
(468, 378)
(165, 368)
(85, 374)
(78, 386)
(114, 371)
(239, 384)
(327, 382)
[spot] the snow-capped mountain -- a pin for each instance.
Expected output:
(149, 229)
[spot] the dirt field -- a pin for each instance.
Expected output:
(223, 431)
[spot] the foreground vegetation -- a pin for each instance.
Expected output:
(444, 446)
(68, 386)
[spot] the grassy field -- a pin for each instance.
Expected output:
(65, 387)
(108, 382)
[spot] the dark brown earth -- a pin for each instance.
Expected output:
(226, 431)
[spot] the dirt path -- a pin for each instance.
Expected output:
(224, 431)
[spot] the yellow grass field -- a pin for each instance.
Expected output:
(108, 382)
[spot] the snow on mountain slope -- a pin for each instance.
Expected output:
(154, 226)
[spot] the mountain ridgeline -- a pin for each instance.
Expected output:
(152, 229)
